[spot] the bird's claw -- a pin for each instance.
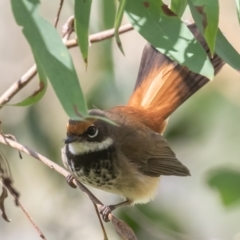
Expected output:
(70, 179)
(105, 211)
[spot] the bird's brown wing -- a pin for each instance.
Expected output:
(161, 160)
(151, 154)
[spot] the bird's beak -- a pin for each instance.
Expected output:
(71, 139)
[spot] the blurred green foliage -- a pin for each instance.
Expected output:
(227, 182)
(204, 133)
(150, 222)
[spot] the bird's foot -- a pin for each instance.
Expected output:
(105, 210)
(70, 179)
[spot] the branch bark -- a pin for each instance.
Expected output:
(121, 227)
(28, 76)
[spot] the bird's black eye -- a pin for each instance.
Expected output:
(92, 131)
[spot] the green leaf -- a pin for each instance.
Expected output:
(38, 94)
(52, 55)
(118, 22)
(198, 18)
(159, 26)
(209, 11)
(227, 52)
(223, 48)
(178, 7)
(82, 10)
(227, 183)
(238, 9)
(162, 217)
(163, 222)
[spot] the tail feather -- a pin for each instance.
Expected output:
(163, 85)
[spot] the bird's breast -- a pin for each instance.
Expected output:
(94, 168)
(111, 171)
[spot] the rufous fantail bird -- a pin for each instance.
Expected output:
(128, 158)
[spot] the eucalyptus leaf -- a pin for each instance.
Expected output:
(52, 55)
(209, 11)
(38, 94)
(238, 9)
(118, 22)
(82, 10)
(178, 7)
(223, 48)
(227, 52)
(169, 35)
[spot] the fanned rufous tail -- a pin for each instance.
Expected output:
(163, 85)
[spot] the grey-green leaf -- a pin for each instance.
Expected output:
(209, 15)
(82, 10)
(238, 9)
(165, 31)
(227, 52)
(39, 93)
(53, 56)
(178, 7)
(223, 48)
(118, 21)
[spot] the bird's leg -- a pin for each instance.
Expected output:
(69, 179)
(105, 210)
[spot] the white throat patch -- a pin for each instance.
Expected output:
(86, 147)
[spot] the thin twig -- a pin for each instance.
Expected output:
(58, 13)
(98, 37)
(27, 77)
(105, 237)
(67, 29)
(19, 204)
(18, 85)
(90, 195)
(50, 164)
(31, 220)
(121, 227)
(34, 154)
(7, 187)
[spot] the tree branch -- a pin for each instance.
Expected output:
(28, 76)
(27, 150)
(31, 221)
(17, 86)
(121, 227)
(58, 13)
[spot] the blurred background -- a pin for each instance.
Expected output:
(204, 133)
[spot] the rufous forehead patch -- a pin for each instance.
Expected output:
(79, 127)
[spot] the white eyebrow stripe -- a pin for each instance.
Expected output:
(77, 148)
